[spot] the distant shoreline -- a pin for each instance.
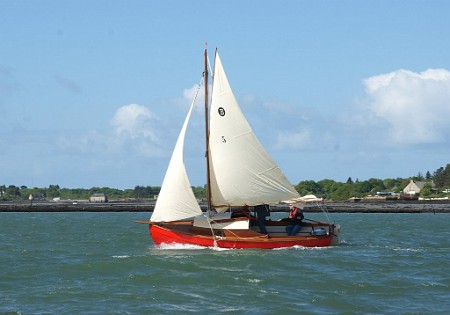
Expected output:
(333, 207)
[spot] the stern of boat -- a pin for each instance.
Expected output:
(336, 233)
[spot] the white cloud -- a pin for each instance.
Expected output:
(136, 129)
(189, 95)
(416, 106)
(134, 133)
(135, 121)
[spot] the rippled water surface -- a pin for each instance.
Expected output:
(104, 263)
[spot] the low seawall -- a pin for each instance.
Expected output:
(333, 207)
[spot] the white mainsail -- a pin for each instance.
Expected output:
(242, 172)
(176, 200)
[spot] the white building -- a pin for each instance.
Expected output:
(414, 187)
(101, 197)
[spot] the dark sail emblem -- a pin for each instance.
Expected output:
(221, 111)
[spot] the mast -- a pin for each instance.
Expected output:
(208, 173)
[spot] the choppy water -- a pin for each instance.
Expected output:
(104, 263)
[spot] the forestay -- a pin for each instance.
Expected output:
(242, 172)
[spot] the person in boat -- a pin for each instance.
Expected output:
(295, 220)
(261, 212)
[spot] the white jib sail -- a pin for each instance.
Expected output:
(243, 173)
(176, 200)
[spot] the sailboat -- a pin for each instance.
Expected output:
(240, 176)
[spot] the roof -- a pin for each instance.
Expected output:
(98, 195)
(421, 184)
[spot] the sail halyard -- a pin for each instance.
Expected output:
(176, 200)
(242, 172)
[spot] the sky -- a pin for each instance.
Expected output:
(94, 93)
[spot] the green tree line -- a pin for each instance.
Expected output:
(331, 189)
(22, 193)
(325, 188)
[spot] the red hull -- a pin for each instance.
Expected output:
(167, 235)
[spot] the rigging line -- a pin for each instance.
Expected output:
(198, 89)
(209, 65)
(212, 230)
(324, 210)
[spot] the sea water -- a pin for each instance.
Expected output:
(104, 263)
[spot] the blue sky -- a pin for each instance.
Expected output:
(93, 93)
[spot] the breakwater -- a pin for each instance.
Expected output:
(429, 206)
